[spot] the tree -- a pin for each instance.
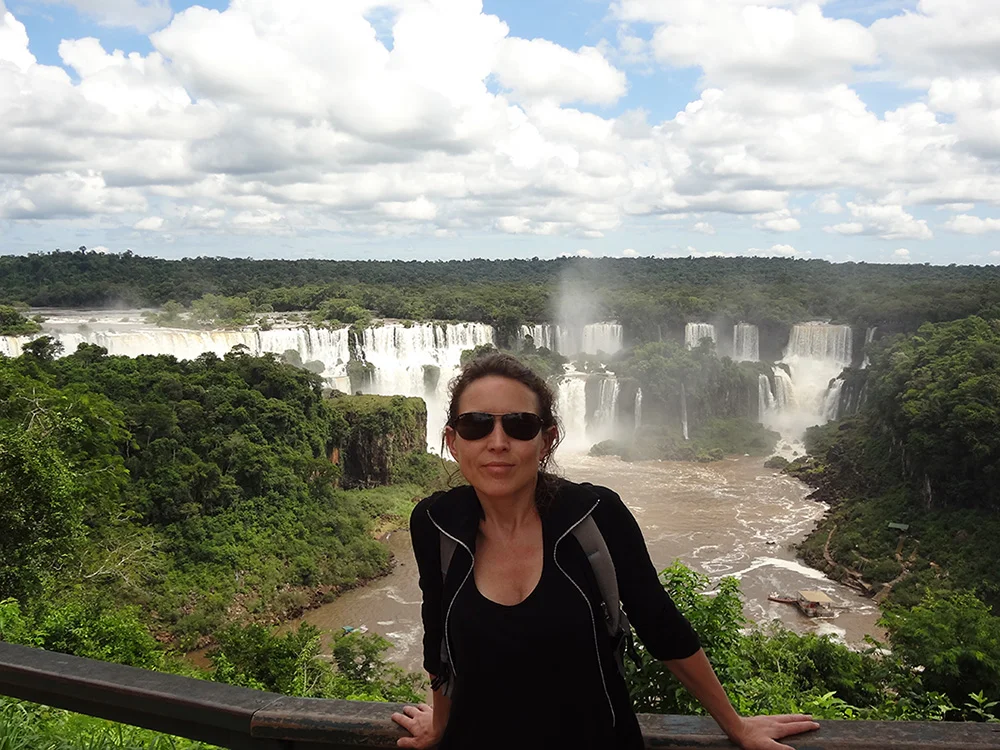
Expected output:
(954, 638)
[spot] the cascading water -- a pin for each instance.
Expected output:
(815, 356)
(638, 408)
(602, 426)
(602, 337)
(832, 403)
(568, 340)
(746, 343)
(869, 337)
(571, 405)
(695, 332)
(765, 399)
(10, 346)
(400, 354)
(784, 390)
(544, 336)
(684, 412)
(135, 338)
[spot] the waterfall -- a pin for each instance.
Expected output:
(695, 332)
(571, 405)
(765, 399)
(602, 426)
(10, 346)
(784, 390)
(831, 405)
(544, 335)
(869, 337)
(816, 355)
(684, 411)
(821, 342)
(638, 408)
(569, 340)
(328, 346)
(746, 343)
(400, 354)
(602, 337)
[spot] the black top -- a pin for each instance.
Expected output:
(557, 694)
(545, 667)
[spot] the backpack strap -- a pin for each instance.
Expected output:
(596, 550)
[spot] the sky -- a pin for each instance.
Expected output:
(847, 130)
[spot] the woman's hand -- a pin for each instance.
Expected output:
(419, 722)
(760, 732)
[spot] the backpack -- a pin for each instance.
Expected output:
(596, 550)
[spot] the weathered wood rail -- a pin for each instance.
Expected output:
(243, 719)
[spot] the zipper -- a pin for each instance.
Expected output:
(447, 640)
(590, 609)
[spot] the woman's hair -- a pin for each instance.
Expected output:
(507, 366)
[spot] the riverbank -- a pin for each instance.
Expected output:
(728, 518)
(879, 537)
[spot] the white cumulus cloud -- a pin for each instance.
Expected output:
(754, 41)
(828, 204)
(540, 69)
(143, 15)
(777, 221)
(270, 116)
(149, 224)
(966, 224)
(888, 221)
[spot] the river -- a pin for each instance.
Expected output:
(732, 517)
(729, 518)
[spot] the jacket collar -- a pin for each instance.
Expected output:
(458, 511)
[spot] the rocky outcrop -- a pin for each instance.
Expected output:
(382, 433)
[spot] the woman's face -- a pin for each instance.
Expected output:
(497, 464)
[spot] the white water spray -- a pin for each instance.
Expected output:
(695, 332)
(684, 412)
(816, 355)
(746, 343)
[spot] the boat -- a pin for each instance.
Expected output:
(353, 629)
(782, 599)
(814, 603)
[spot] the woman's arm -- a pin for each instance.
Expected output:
(754, 733)
(424, 723)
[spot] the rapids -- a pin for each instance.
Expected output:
(731, 518)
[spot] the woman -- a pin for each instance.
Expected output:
(512, 633)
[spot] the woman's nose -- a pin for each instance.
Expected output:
(497, 440)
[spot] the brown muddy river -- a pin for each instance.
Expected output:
(729, 518)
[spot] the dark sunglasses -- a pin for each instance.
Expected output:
(475, 425)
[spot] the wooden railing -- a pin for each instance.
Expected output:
(239, 718)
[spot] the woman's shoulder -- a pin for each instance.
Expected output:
(610, 510)
(586, 490)
(418, 516)
(444, 504)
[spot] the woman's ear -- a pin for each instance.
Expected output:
(449, 437)
(548, 440)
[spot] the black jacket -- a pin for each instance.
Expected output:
(456, 513)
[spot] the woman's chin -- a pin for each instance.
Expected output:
(497, 482)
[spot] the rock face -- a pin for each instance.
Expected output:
(383, 431)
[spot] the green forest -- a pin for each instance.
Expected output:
(153, 505)
(647, 296)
